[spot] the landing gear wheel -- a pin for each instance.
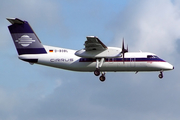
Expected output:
(102, 78)
(160, 76)
(97, 72)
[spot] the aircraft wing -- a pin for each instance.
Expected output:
(94, 48)
(93, 43)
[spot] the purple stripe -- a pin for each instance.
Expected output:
(30, 60)
(20, 28)
(31, 51)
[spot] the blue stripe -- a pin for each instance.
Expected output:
(30, 60)
(20, 28)
(31, 51)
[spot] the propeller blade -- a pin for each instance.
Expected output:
(123, 49)
(123, 45)
(127, 48)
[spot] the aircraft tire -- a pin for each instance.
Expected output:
(102, 78)
(97, 72)
(160, 76)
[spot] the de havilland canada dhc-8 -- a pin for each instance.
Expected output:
(95, 57)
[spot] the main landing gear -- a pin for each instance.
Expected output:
(102, 78)
(161, 75)
(97, 71)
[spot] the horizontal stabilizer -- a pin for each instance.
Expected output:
(15, 21)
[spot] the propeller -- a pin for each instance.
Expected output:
(123, 49)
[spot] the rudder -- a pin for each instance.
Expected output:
(25, 39)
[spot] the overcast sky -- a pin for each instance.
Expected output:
(34, 92)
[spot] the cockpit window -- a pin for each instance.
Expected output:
(155, 56)
(152, 56)
(149, 56)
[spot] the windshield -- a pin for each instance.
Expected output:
(152, 56)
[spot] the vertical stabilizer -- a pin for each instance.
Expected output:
(25, 39)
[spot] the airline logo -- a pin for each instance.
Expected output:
(25, 40)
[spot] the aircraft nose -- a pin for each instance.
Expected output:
(169, 66)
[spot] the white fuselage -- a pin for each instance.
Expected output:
(66, 59)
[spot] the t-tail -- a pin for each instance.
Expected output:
(25, 39)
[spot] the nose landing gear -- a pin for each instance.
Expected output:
(161, 75)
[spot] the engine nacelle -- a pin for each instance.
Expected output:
(107, 53)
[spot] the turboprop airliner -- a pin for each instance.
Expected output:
(94, 57)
